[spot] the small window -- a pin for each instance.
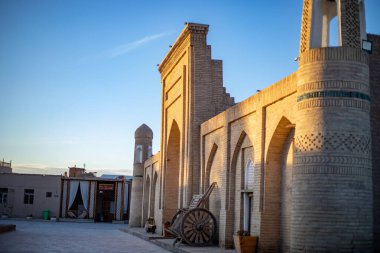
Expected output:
(29, 196)
(48, 194)
(3, 196)
(249, 175)
(138, 154)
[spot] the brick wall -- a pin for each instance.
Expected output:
(193, 92)
(374, 68)
(327, 195)
(332, 183)
(239, 130)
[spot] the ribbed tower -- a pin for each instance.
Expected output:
(143, 150)
(332, 191)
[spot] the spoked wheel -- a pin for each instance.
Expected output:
(198, 227)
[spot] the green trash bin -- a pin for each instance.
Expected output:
(45, 214)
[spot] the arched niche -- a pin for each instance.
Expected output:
(171, 173)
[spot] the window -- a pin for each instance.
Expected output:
(249, 175)
(28, 196)
(248, 195)
(138, 154)
(48, 194)
(334, 32)
(3, 196)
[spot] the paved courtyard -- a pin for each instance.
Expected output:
(47, 236)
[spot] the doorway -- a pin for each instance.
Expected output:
(105, 202)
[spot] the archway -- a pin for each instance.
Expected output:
(275, 228)
(209, 163)
(172, 173)
(286, 191)
(146, 199)
(213, 174)
(153, 197)
(241, 157)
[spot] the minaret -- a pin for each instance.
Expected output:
(143, 150)
(332, 177)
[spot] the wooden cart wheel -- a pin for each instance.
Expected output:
(198, 227)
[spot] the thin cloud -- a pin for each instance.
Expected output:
(111, 171)
(29, 165)
(128, 47)
(35, 168)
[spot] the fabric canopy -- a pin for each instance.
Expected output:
(73, 191)
(84, 191)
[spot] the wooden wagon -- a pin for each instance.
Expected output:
(195, 225)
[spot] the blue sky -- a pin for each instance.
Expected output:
(78, 77)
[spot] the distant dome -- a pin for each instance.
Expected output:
(144, 132)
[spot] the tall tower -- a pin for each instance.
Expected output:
(143, 150)
(332, 191)
(192, 92)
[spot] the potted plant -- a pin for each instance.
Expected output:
(244, 242)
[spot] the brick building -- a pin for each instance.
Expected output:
(23, 195)
(5, 167)
(79, 196)
(296, 164)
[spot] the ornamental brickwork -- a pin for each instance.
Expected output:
(307, 144)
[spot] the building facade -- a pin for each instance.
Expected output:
(28, 195)
(83, 196)
(98, 199)
(295, 164)
(5, 167)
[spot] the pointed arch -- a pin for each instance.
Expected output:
(272, 185)
(243, 152)
(279, 136)
(171, 173)
(146, 199)
(213, 174)
(209, 163)
(153, 196)
(232, 173)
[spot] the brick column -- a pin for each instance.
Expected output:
(332, 191)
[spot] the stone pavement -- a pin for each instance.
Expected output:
(168, 243)
(47, 237)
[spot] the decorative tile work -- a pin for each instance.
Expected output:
(338, 170)
(333, 84)
(331, 160)
(334, 93)
(333, 53)
(351, 24)
(335, 102)
(305, 29)
(333, 142)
